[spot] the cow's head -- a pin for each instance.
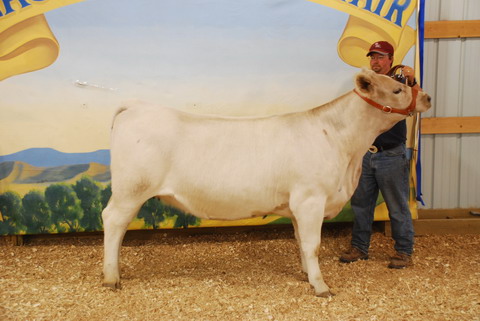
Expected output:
(386, 91)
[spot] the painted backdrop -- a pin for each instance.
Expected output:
(65, 66)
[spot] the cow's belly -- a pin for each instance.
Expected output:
(211, 205)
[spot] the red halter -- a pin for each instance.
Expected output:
(387, 109)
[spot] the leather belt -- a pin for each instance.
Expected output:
(375, 149)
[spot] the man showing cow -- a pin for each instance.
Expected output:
(385, 168)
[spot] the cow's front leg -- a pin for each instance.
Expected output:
(116, 218)
(309, 216)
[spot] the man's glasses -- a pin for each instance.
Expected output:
(379, 57)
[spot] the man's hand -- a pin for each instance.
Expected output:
(409, 73)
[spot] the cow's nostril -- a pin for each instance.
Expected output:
(429, 98)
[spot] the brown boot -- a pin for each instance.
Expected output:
(400, 261)
(353, 255)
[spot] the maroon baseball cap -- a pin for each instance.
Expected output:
(381, 47)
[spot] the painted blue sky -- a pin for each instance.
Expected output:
(208, 56)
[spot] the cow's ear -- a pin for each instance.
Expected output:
(363, 82)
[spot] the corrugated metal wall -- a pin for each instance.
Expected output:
(451, 162)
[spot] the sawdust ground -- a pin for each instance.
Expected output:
(246, 275)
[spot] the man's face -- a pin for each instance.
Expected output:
(380, 63)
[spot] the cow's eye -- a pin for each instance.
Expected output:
(397, 91)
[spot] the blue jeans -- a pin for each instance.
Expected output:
(388, 172)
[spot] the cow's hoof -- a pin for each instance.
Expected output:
(112, 285)
(325, 294)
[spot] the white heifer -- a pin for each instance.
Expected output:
(302, 165)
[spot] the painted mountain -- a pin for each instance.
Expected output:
(48, 157)
(37, 168)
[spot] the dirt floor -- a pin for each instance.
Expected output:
(248, 275)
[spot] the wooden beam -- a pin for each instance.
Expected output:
(442, 226)
(15, 240)
(447, 213)
(452, 29)
(450, 125)
(444, 221)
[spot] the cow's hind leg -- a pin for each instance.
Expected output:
(309, 216)
(297, 237)
(116, 217)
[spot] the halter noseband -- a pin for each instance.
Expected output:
(387, 109)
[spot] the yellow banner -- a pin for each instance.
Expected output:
(371, 21)
(26, 41)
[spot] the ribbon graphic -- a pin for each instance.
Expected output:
(371, 21)
(26, 41)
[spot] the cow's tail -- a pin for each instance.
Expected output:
(118, 112)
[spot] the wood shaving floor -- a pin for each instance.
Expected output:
(248, 275)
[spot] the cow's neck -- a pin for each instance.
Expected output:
(357, 124)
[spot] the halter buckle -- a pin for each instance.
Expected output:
(373, 149)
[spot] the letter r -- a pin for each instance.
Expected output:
(400, 8)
